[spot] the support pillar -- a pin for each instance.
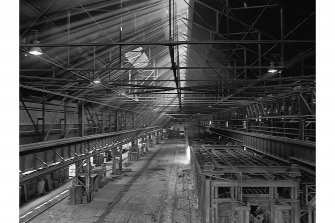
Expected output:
(102, 122)
(116, 120)
(158, 137)
(310, 215)
(217, 23)
(282, 46)
(114, 163)
(80, 120)
(88, 180)
(243, 214)
(152, 140)
(134, 151)
(245, 63)
(143, 149)
(207, 202)
(68, 36)
(43, 119)
(120, 157)
(78, 170)
(109, 120)
(282, 30)
(65, 128)
(146, 143)
(301, 121)
(259, 56)
(227, 18)
(130, 154)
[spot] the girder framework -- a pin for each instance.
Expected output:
(230, 178)
(38, 159)
(291, 115)
(186, 42)
(284, 149)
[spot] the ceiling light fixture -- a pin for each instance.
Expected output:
(97, 81)
(35, 50)
(272, 68)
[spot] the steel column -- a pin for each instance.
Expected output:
(88, 180)
(31, 119)
(245, 63)
(65, 111)
(227, 18)
(282, 30)
(301, 121)
(81, 130)
(68, 36)
(116, 122)
(259, 57)
(43, 119)
(217, 23)
(120, 155)
(120, 49)
(102, 122)
(109, 120)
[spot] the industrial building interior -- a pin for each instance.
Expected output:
(167, 111)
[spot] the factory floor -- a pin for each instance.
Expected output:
(159, 188)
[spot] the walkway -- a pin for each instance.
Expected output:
(159, 188)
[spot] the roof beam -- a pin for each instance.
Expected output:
(169, 43)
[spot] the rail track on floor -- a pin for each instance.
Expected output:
(125, 189)
(36, 210)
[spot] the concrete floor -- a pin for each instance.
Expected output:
(162, 192)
